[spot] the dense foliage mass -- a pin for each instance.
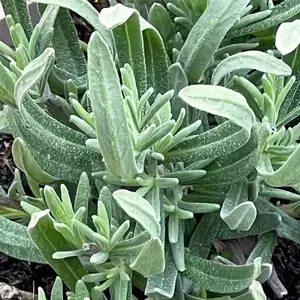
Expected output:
(157, 153)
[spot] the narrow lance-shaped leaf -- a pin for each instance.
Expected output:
(48, 240)
(70, 60)
(151, 260)
(205, 233)
(287, 175)
(222, 102)
(15, 242)
(237, 212)
(109, 109)
(156, 59)
(87, 11)
(7, 86)
(45, 137)
(26, 163)
(177, 81)
(139, 209)
(46, 29)
(163, 284)
(280, 13)
(220, 278)
(264, 222)
(159, 17)
(20, 14)
(257, 60)
(32, 74)
(126, 28)
(207, 35)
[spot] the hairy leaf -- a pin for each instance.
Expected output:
(20, 14)
(48, 240)
(207, 35)
(280, 13)
(139, 209)
(109, 109)
(220, 278)
(87, 11)
(126, 28)
(15, 242)
(257, 60)
(70, 60)
(237, 212)
(264, 222)
(151, 259)
(45, 137)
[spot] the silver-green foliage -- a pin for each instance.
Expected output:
(160, 144)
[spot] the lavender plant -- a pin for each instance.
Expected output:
(152, 163)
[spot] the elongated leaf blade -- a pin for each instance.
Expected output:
(70, 60)
(109, 109)
(280, 13)
(156, 59)
(48, 240)
(87, 11)
(237, 212)
(126, 28)
(207, 35)
(19, 11)
(45, 137)
(163, 284)
(287, 175)
(15, 242)
(205, 233)
(221, 278)
(139, 209)
(151, 259)
(264, 222)
(257, 60)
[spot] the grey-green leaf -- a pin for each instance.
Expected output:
(207, 35)
(151, 259)
(109, 109)
(139, 209)
(257, 60)
(220, 278)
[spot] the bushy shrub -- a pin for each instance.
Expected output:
(153, 157)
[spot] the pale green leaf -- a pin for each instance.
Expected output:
(109, 109)
(237, 212)
(288, 37)
(48, 240)
(264, 222)
(32, 74)
(15, 242)
(45, 137)
(70, 61)
(139, 209)
(164, 283)
(220, 278)
(287, 175)
(280, 13)
(26, 163)
(126, 28)
(20, 14)
(57, 289)
(161, 20)
(87, 11)
(257, 60)
(207, 35)
(151, 259)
